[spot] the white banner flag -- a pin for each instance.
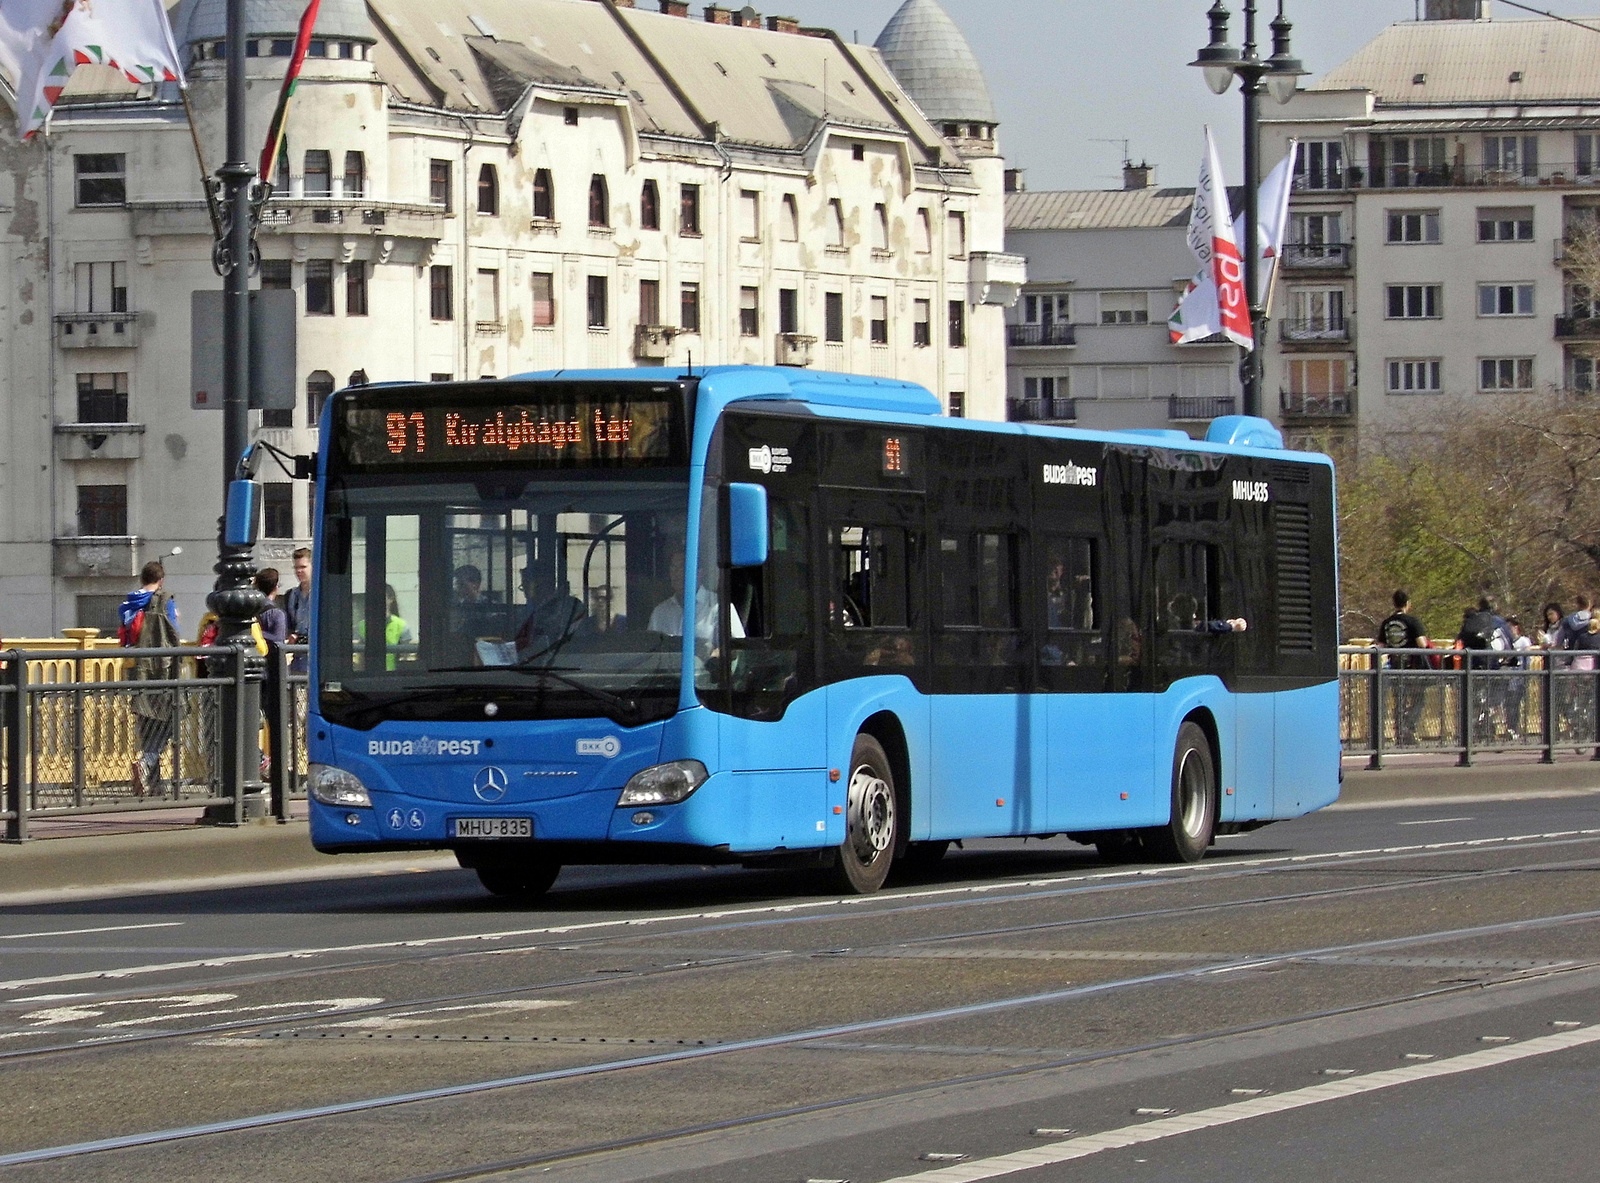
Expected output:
(43, 41)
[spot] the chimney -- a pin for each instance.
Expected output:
(1015, 182)
(1137, 176)
(674, 7)
(783, 24)
(623, 3)
(747, 18)
(718, 16)
(1456, 10)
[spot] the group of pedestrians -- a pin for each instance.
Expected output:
(148, 619)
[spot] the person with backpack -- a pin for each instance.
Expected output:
(1486, 634)
(1401, 630)
(148, 619)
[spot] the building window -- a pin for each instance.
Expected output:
(1308, 377)
(958, 404)
(1505, 373)
(835, 223)
(1403, 163)
(317, 49)
(100, 287)
(921, 323)
(1505, 299)
(1047, 387)
(597, 302)
(749, 312)
(788, 310)
(488, 310)
(599, 201)
(749, 215)
(319, 287)
(102, 398)
(789, 221)
(1412, 226)
(1588, 153)
(1124, 308)
(355, 288)
(689, 307)
(956, 229)
(278, 417)
(544, 299)
(277, 510)
(441, 294)
(880, 227)
(1580, 373)
(924, 232)
(1316, 230)
(689, 209)
(958, 324)
(355, 174)
(1415, 375)
(649, 301)
(833, 317)
(858, 151)
(1055, 308)
(1517, 156)
(103, 511)
(569, 116)
(1124, 382)
(1506, 225)
(277, 275)
(439, 184)
(544, 196)
(319, 385)
(102, 179)
(880, 320)
(488, 190)
(319, 173)
(1319, 165)
(1318, 310)
(649, 207)
(1413, 301)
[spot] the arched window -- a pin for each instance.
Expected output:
(789, 224)
(835, 222)
(544, 196)
(488, 190)
(319, 385)
(650, 207)
(599, 201)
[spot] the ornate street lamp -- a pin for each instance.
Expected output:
(1280, 76)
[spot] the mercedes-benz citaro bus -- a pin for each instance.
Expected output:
(777, 617)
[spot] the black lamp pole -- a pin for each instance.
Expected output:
(235, 600)
(1279, 73)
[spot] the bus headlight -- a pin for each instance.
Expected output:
(664, 784)
(335, 786)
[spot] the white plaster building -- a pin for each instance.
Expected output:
(1440, 170)
(470, 188)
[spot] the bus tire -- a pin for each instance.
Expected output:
(872, 821)
(520, 880)
(1193, 822)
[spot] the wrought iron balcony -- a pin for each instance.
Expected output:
(1316, 256)
(1042, 410)
(1325, 405)
(1200, 408)
(1035, 336)
(1316, 328)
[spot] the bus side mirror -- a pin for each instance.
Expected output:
(244, 513)
(747, 525)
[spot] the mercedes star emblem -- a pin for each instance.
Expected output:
(490, 784)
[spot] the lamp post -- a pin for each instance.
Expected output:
(1279, 75)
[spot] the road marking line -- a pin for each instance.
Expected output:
(73, 932)
(1437, 821)
(1187, 871)
(1221, 1115)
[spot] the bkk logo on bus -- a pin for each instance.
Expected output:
(1251, 491)
(423, 747)
(608, 747)
(1071, 474)
(768, 460)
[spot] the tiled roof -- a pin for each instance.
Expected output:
(1099, 209)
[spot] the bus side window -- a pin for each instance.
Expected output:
(1186, 586)
(870, 572)
(1072, 602)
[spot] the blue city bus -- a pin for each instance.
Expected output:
(776, 617)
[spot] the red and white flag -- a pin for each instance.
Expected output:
(43, 41)
(1217, 303)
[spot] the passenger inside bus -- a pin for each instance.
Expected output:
(554, 616)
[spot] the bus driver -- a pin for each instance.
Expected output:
(667, 618)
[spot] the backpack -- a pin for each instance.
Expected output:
(128, 634)
(1478, 630)
(1589, 638)
(1394, 634)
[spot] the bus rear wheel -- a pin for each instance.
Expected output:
(872, 821)
(518, 880)
(1188, 833)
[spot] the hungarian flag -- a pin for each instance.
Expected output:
(291, 80)
(43, 41)
(1198, 312)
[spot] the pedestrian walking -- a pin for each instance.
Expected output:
(148, 619)
(1401, 630)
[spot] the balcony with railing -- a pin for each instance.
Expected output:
(1453, 176)
(1577, 328)
(1042, 410)
(1315, 330)
(97, 330)
(1037, 336)
(1322, 406)
(1200, 408)
(1316, 256)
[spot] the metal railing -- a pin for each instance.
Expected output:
(1042, 410)
(1188, 408)
(1316, 328)
(1025, 335)
(1329, 404)
(1580, 328)
(1316, 255)
(1461, 702)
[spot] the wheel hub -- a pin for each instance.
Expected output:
(871, 814)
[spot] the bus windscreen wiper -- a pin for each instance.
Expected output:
(624, 706)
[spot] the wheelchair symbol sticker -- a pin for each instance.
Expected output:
(397, 820)
(415, 819)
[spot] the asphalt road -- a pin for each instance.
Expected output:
(1396, 991)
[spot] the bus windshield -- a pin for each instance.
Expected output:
(513, 593)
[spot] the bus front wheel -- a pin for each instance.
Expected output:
(518, 880)
(872, 820)
(1186, 836)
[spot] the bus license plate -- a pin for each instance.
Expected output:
(492, 827)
